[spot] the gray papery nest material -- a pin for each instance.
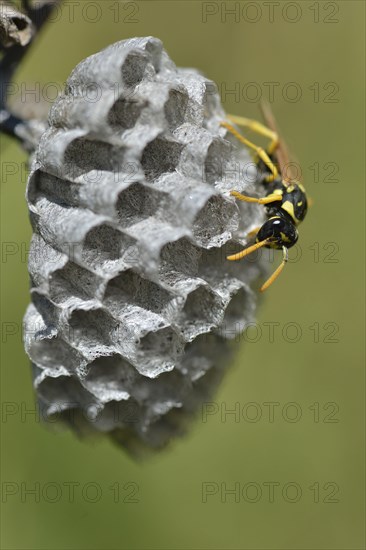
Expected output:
(133, 300)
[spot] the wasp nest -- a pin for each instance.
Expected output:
(133, 300)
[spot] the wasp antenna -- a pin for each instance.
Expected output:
(276, 273)
(248, 250)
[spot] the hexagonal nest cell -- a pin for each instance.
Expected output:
(215, 222)
(130, 288)
(124, 114)
(133, 68)
(103, 246)
(176, 107)
(85, 154)
(160, 156)
(137, 203)
(130, 303)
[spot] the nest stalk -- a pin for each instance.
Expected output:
(18, 29)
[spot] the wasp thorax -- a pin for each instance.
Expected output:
(280, 231)
(294, 202)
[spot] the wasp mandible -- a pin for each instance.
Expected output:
(285, 201)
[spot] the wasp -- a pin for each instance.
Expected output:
(285, 202)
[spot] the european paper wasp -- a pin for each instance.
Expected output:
(285, 201)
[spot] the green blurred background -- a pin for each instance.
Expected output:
(318, 46)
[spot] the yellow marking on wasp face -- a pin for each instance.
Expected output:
(290, 189)
(278, 192)
(301, 187)
(299, 203)
(284, 237)
(289, 208)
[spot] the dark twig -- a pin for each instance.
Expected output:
(13, 53)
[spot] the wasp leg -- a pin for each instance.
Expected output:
(263, 200)
(246, 251)
(259, 128)
(276, 273)
(259, 150)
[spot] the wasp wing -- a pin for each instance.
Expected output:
(285, 165)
